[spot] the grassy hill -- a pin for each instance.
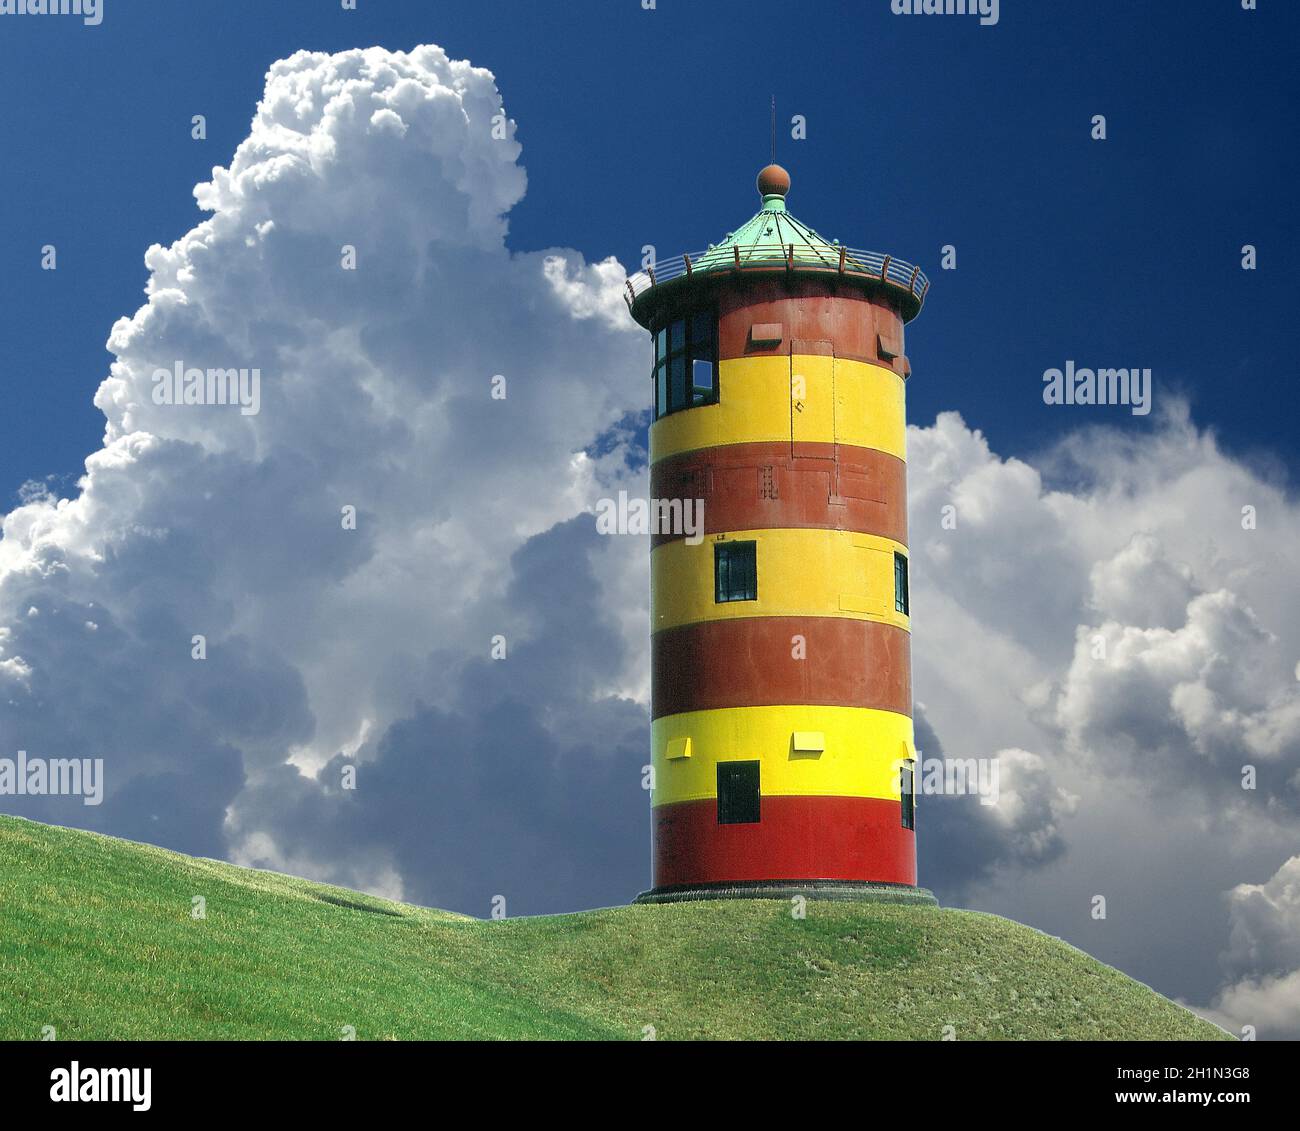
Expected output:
(97, 939)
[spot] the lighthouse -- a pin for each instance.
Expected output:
(782, 747)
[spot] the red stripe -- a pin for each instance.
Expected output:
(798, 838)
(776, 484)
(750, 662)
(808, 311)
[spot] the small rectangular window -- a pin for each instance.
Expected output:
(677, 395)
(735, 571)
(901, 602)
(677, 336)
(702, 383)
(661, 345)
(908, 785)
(661, 390)
(739, 800)
(702, 336)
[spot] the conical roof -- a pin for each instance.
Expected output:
(771, 232)
(773, 240)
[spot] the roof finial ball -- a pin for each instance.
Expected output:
(773, 185)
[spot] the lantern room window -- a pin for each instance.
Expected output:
(686, 363)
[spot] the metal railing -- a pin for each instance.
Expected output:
(794, 257)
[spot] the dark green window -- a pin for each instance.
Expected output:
(735, 571)
(738, 796)
(901, 601)
(686, 363)
(909, 795)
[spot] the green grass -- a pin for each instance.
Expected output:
(97, 940)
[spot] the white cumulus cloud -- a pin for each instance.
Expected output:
(377, 393)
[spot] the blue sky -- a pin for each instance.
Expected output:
(329, 647)
(646, 127)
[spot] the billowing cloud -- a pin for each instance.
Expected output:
(1201, 701)
(1140, 587)
(1268, 1007)
(447, 391)
(1265, 917)
(1264, 946)
(966, 838)
(1122, 608)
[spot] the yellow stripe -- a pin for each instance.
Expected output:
(805, 573)
(761, 399)
(863, 749)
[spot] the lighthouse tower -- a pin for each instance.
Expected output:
(781, 676)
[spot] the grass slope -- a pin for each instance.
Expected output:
(97, 940)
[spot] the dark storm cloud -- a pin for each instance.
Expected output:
(530, 787)
(962, 842)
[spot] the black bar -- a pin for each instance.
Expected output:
(332, 1080)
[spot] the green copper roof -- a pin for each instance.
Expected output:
(768, 232)
(772, 241)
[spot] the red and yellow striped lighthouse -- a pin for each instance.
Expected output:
(781, 681)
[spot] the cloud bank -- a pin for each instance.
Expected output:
(447, 391)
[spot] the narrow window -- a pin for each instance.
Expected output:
(901, 602)
(908, 785)
(735, 572)
(677, 384)
(704, 359)
(738, 796)
(703, 387)
(702, 333)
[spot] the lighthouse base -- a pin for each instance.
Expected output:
(838, 890)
